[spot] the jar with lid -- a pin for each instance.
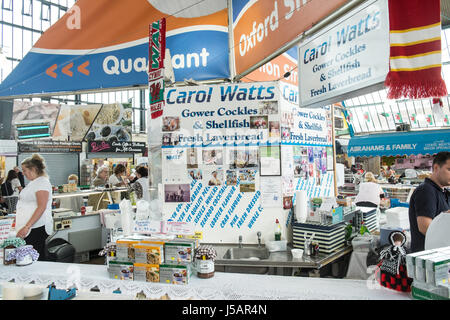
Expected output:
(9, 246)
(204, 261)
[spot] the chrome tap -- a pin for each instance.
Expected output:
(240, 241)
(259, 238)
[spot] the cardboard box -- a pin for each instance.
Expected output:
(179, 251)
(437, 269)
(122, 270)
(175, 274)
(149, 253)
(125, 250)
(146, 272)
(411, 261)
(420, 266)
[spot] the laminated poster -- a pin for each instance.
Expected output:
(270, 188)
(247, 180)
(174, 166)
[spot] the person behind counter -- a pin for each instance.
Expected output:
(12, 185)
(34, 220)
(73, 203)
(117, 180)
(429, 199)
(101, 180)
(141, 185)
(370, 192)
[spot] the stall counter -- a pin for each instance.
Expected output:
(223, 286)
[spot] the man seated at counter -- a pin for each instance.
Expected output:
(429, 199)
(370, 192)
(98, 201)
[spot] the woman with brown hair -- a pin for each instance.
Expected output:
(117, 179)
(34, 220)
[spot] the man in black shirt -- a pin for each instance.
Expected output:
(429, 200)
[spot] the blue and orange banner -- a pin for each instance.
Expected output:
(104, 44)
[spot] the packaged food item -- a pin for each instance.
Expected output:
(175, 274)
(159, 243)
(179, 251)
(437, 269)
(125, 249)
(146, 272)
(122, 270)
(411, 260)
(420, 266)
(149, 253)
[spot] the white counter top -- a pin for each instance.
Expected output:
(223, 286)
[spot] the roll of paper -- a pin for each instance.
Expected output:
(301, 205)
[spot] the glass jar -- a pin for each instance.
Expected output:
(6, 251)
(205, 268)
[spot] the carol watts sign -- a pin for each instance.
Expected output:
(350, 55)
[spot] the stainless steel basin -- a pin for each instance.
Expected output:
(247, 254)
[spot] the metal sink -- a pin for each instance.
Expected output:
(247, 254)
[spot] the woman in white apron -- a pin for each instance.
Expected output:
(34, 220)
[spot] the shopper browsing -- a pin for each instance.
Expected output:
(118, 179)
(370, 192)
(97, 201)
(33, 215)
(429, 199)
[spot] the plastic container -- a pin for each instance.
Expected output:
(273, 246)
(297, 253)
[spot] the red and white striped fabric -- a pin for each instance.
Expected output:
(415, 50)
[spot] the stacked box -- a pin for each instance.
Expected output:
(175, 274)
(411, 261)
(437, 269)
(146, 272)
(149, 253)
(121, 270)
(179, 251)
(125, 250)
(420, 266)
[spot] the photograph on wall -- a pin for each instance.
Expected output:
(177, 193)
(170, 139)
(311, 154)
(285, 133)
(287, 119)
(195, 174)
(247, 180)
(324, 161)
(212, 156)
(259, 122)
(268, 107)
(170, 124)
(274, 129)
(213, 176)
(243, 157)
(317, 171)
(300, 167)
(310, 170)
(191, 158)
(287, 202)
(112, 123)
(270, 161)
(231, 177)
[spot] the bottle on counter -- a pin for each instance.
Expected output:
(277, 230)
